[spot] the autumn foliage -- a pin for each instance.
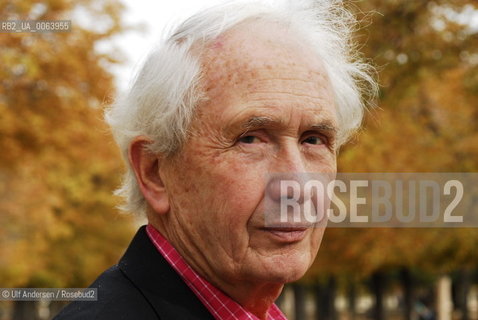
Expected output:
(426, 120)
(58, 163)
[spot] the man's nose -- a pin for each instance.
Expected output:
(289, 160)
(287, 175)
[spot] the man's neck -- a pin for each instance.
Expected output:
(256, 298)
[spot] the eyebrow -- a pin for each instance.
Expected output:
(257, 122)
(325, 126)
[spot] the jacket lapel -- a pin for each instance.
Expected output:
(159, 283)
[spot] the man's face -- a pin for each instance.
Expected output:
(270, 109)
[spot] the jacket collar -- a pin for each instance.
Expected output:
(164, 289)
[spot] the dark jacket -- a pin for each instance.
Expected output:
(141, 286)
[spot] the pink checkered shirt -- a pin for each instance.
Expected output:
(219, 304)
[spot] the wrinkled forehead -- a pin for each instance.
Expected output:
(246, 57)
(254, 43)
(260, 69)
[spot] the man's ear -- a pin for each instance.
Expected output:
(146, 168)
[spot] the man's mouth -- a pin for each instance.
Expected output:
(287, 233)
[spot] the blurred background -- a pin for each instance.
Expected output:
(59, 165)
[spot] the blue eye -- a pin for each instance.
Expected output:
(248, 139)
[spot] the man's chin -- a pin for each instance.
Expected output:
(283, 277)
(282, 270)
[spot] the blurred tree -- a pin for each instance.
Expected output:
(58, 167)
(427, 121)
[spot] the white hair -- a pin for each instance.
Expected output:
(163, 97)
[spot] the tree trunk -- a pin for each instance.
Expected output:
(352, 300)
(25, 310)
(299, 301)
(408, 299)
(325, 300)
(331, 294)
(377, 287)
(319, 301)
(462, 287)
(443, 300)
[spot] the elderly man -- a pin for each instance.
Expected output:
(237, 93)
